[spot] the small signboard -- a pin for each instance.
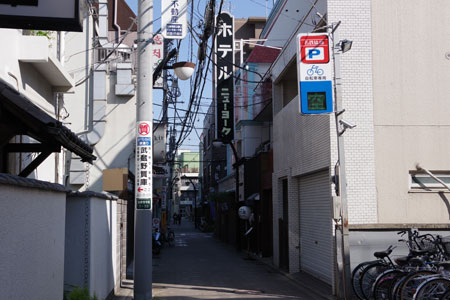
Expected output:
(315, 73)
(158, 56)
(144, 192)
(58, 15)
(174, 18)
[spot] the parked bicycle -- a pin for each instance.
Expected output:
(422, 274)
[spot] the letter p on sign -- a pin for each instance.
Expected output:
(314, 49)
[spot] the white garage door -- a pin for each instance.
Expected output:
(316, 239)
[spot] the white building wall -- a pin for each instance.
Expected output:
(411, 75)
(23, 68)
(31, 243)
(294, 224)
(115, 146)
(78, 59)
(357, 95)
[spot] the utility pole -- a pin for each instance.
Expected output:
(343, 248)
(144, 159)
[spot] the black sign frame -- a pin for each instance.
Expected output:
(20, 2)
(18, 21)
(224, 79)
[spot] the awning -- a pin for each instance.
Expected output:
(19, 116)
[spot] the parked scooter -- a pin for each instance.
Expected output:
(156, 242)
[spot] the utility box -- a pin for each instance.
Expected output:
(115, 179)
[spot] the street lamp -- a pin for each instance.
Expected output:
(195, 198)
(183, 70)
(217, 144)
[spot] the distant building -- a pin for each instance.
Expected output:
(187, 182)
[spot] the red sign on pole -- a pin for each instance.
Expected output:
(314, 49)
(144, 129)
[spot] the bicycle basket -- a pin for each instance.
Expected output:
(446, 244)
(425, 244)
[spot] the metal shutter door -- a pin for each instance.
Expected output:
(316, 240)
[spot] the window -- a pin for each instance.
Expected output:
(425, 181)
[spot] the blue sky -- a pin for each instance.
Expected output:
(240, 9)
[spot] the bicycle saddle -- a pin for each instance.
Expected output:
(416, 261)
(383, 254)
(402, 260)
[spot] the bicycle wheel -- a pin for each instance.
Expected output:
(432, 289)
(446, 296)
(356, 278)
(369, 276)
(382, 288)
(171, 238)
(412, 281)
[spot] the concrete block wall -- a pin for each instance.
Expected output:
(103, 265)
(122, 238)
(356, 74)
(32, 225)
(92, 256)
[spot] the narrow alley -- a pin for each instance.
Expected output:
(200, 266)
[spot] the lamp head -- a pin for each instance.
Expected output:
(346, 45)
(183, 69)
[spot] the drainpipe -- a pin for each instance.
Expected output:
(98, 107)
(115, 22)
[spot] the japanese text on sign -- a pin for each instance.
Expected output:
(174, 18)
(144, 166)
(158, 56)
(224, 58)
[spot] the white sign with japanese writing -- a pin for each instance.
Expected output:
(158, 56)
(144, 172)
(174, 18)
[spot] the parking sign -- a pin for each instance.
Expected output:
(314, 72)
(315, 49)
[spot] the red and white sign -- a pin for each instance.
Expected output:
(314, 61)
(144, 164)
(315, 49)
(158, 56)
(144, 128)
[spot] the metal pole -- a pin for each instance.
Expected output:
(344, 260)
(144, 127)
(195, 205)
(236, 194)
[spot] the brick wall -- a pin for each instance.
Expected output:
(356, 73)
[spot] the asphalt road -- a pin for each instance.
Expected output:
(200, 266)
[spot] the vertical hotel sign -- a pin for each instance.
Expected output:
(224, 58)
(144, 171)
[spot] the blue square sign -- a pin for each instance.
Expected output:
(316, 97)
